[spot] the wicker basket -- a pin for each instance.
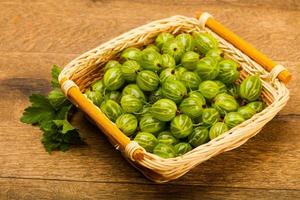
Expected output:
(82, 71)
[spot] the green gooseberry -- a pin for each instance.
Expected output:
(179, 71)
(222, 86)
(181, 126)
(113, 95)
(190, 79)
(98, 86)
(111, 109)
(233, 90)
(225, 103)
(112, 64)
(198, 95)
(182, 148)
(163, 110)
(168, 73)
(246, 111)
(228, 71)
(192, 107)
(189, 60)
(174, 90)
(233, 119)
(217, 129)
(186, 41)
(152, 47)
(146, 140)
(130, 68)
(258, 106)
(167, 61)
(147, 80)
(155, 96)
(164, 150)
(131, 104)
(209, 89)
(174, 49)
(210, 116)
(113, 79)
(95, 96)
(200, 135)
(207, 68)
(162, 38)
(131, 53)
(166, 137)
(250, 88)
(150, 124)
(204, 42)
(145, 111)
(151, 60)
(134, 90)
(216, 54)
(127, 123)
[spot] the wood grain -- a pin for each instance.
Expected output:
(29, 189)
(94, 24)
(36, 34)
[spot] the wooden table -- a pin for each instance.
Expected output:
(36, 34)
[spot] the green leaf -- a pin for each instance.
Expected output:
(38, 100)
(56, 97)
(35, 115)
(55, 140)
(50, 142)
(55, 73)
(63, 112)
(48, 126)
(64, 125)
(50, 113)
(40, 111)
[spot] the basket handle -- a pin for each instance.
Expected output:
(207, 20)
(123, 142)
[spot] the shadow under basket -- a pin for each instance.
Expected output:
(88, 67)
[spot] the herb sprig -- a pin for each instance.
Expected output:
(51, 113)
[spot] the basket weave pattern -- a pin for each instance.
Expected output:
(90, 67)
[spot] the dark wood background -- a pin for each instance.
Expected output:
(34, 34)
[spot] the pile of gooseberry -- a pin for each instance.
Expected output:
(175, 94)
